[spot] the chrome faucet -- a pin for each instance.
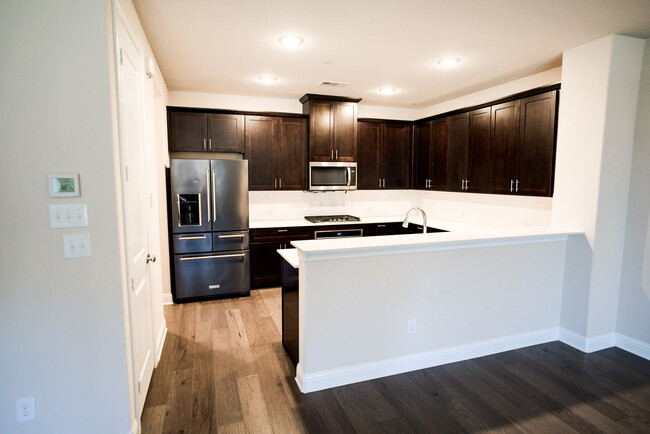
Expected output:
(424, 217)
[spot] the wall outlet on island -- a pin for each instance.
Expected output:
(410, 326)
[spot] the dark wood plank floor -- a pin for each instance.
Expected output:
(223, 369)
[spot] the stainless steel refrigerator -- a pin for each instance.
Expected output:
(209, 229)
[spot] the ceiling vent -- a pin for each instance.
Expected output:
(334, 83)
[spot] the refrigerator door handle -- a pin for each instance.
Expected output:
(207, 183)
(214, 197)
(193, 258)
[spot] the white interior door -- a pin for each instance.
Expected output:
(134, 197)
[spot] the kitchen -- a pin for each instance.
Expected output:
(74, 304)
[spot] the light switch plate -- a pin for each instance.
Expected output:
(76, 246)
(72, 215)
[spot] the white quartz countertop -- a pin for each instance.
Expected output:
(291, 256)
(259, 224)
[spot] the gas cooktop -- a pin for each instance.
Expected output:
(331, 218)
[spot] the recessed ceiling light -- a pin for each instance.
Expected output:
(387, 90)
(290, 40)
(267, 79)
(449, 61)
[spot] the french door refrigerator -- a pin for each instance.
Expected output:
(209, 229)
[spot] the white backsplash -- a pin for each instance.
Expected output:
(289, 205)
(489, 210)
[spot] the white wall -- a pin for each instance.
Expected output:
(633, 319)
(600, 82)
(62, 321)
(466, 302)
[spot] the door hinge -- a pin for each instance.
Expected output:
(121, 56)
(139, 386)
(132, 285)
(126, 173)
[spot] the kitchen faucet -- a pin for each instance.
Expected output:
(424, 217)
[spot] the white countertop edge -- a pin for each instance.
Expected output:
(261, 224)
(291, 256)
(415, 243)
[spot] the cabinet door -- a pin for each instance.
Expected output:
(503, 148)
(292, 153)
(478, 150)
(225, 133)
(265, 264)
(187, 131)
(536, 145)
(439, 172)
(261, 144)
(320, 130)
(396, 156)
(458, 142)
(345, 131)
(368, 152)
(422, 155)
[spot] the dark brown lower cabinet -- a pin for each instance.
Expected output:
(265, 260)
(290, 333)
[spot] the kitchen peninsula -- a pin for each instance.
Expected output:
(464, 293)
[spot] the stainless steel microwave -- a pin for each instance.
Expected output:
(332, 176)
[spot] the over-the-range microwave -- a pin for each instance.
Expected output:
(331, 176)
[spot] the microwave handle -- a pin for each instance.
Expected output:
(349, 175)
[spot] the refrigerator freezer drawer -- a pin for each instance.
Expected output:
(211, 275)
(236, 240)
(192, 243)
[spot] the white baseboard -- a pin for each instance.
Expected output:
(167, 299)
(634, 346)
(368, 371)
(135, 427)
(162, 334)
(587, 345)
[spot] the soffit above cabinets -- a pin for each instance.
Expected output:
(225, 46)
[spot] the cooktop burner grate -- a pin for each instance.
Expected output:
(331, 218)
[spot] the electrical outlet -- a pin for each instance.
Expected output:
(25, 409)
(73, 215)
(410, 326)
(76, 246)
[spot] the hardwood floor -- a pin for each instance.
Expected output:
(223, 369)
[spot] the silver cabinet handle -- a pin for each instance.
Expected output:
(193, 258)
(209, 143)
(381, 226)
(379, 182)
(336, 154)
(383, 183)
(204, 146)
(517, 186)
(467, 184)
(511, 185)
(207, 185)
(280, 183)
(462, 184)
(192, 237)
(332, 154)
(283, 230)
(214, 198)
(151, 258)
(275, 182)
(232, 236)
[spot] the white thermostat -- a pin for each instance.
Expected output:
(63, 184)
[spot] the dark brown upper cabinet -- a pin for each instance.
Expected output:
(384, 151)
(503, 147)
(522, 146)
(432, 154)
(332, 127)
(478, 150)
(458, 151)
(193, 131)
(276, 149)
(536, 152)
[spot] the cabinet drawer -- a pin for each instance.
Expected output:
(281, 234)
(375, 229)
(192, 243)
(237, 240)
